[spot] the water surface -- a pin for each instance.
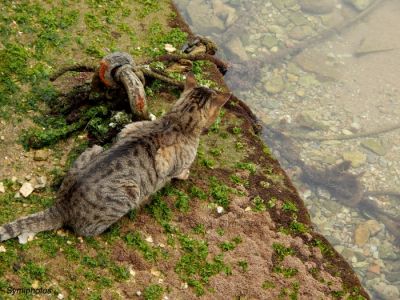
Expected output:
(340, 93)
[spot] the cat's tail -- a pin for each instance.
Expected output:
(48, 219)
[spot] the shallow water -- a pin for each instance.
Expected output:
(342, 86)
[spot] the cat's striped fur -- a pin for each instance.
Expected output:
(103, 185)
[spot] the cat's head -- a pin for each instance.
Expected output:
(199, 105)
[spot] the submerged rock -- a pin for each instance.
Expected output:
(356, 158)
(317, 6)
(374, 146)
(359, 4)
(203, 18)
(301, 32)
(361, 235)
(235, 46)
(275, 85)
(317, 62)
(224, 11)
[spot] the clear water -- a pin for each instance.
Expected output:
(344, 85)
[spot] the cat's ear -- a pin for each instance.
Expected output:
(190, 81)
(222, 98)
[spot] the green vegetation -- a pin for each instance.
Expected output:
(194, 267)
(158, 38)
(267, 285)
(182, 201)
(289, 206)
(272, 202)
(243, 265)
(292, 293)
(199, 229)
(246, 166)
(236, 130)
(281, 251)
(239, 181)
(196, 192)
(135, 239)
(298, 227)
(153, 292)
(258, 204)
(326, 250)
(219, 192)
(286, 272)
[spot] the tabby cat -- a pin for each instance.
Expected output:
(104, 185)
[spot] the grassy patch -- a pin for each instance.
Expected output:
(153, 292)
(219, 192)
(289, 206)
(243, 265)
(246, 166)
(258, 204)
(194, 266)
(136, 240)
(267, 285)
(281, 251)
(286, 272)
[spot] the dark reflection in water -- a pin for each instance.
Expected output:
(323, 76)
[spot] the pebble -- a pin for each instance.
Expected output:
(355, 126)
(26, 189)
(347, 132)
(60, 296)
(138, 293)
(35, 284)
(149, 239)
(40, 155)
(365, 230)
(40, 182)
(2, 188)
(220, 209)
(132, 272)
(169, 48)
(361, 235)
(374, 268)
(184, 286)
(155, 273)
(373, 226)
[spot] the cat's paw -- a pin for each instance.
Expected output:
(25, 237)
(184, 175)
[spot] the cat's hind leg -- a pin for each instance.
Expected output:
(86, 157)
(117, 200)
(184, 175)
(80, 163)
